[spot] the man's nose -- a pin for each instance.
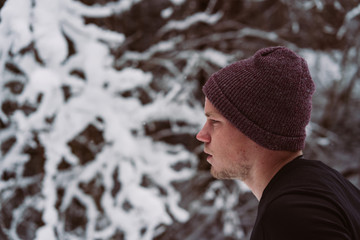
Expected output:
(203, 135)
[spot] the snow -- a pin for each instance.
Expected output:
(99, 11)
(324, 67)
(196, 18)
(353, 13)
(166, 13)
(338, 5)
(348, 21)
(319, 5)
(94, 100)
(128, 78)
(46, 82)
(177, 2)
(15, 23)
(216, 57)
(127, 155)
(49, 40)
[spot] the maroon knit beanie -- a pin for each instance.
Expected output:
(267, 97)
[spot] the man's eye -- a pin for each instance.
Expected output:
(213, 121)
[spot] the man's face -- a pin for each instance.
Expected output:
(229, 151)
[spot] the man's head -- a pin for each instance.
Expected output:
(229, 151)
(266, 97)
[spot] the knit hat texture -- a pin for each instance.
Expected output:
(267, 97)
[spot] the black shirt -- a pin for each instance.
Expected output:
(308, 200)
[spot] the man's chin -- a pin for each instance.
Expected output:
(219, 174)
(223, 174)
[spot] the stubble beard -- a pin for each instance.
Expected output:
(237, 172)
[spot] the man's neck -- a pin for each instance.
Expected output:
(265, 167)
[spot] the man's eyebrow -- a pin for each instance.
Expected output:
(210, 114)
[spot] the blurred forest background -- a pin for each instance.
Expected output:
(101, 101)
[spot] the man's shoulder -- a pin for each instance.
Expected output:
(298, 215)
(309, 183)
(299, 174)
(306, 174)
(309, 200)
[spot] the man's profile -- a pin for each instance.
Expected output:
(257, 110)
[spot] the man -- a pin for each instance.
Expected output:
(257, 110)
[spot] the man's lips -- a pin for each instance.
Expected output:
(209, 157)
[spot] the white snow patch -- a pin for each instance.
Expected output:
(166, 13)
(323, 66)
(177, 2)
(216, 57)
(191, 20)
